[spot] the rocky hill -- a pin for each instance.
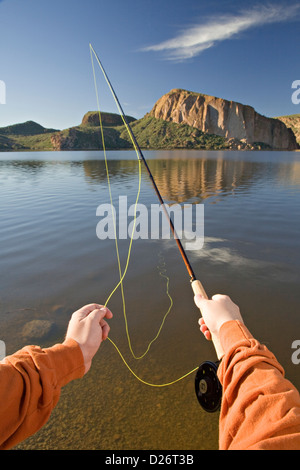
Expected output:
(180, 119)
(228, 119)
(91, 119)
(25, 128)
(87, 135)
(293, 122)
(28, 135)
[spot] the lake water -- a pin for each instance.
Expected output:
(52, 263)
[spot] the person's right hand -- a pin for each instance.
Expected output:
(215, 313)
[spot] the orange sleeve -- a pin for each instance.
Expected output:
(260, 408)
(30, 384)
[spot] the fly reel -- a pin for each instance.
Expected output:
(207, 386)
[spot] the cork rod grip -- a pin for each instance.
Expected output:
(199, 289)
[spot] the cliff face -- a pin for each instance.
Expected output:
(224, 118)
(293, 122)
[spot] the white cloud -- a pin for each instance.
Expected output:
(196, 39)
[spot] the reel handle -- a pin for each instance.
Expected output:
(199, 289)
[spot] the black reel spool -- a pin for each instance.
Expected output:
(207, 386)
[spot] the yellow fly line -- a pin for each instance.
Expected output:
(122, 275)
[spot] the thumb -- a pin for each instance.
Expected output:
(198, 299)
(99, 314)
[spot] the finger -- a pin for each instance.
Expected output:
(200, 301)
(204, 329)
(105, 329)
(207, 335)
(97, 314)
(205, 332)
(197, 299)
(86, 310)
(105, 313)
(218, 297)
(109, 314)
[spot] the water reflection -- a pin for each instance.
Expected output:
(180, 179)
(195, 180)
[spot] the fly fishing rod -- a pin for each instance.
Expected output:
(207, 386)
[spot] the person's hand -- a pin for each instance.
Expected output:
(89, 328)
(215, 313)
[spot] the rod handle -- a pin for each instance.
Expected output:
(199, 289)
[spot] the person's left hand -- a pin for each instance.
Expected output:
(89, 328)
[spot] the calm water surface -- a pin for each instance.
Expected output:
(53, 263)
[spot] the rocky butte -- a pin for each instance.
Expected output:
(225, 118)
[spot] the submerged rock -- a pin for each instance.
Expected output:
(37, 329)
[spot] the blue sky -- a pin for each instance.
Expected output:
(239, 50)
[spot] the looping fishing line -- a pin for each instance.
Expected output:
(122, 275)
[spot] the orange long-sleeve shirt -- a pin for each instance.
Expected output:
(30, 385)
(260, 408)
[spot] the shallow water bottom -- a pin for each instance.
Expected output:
(53, 263)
